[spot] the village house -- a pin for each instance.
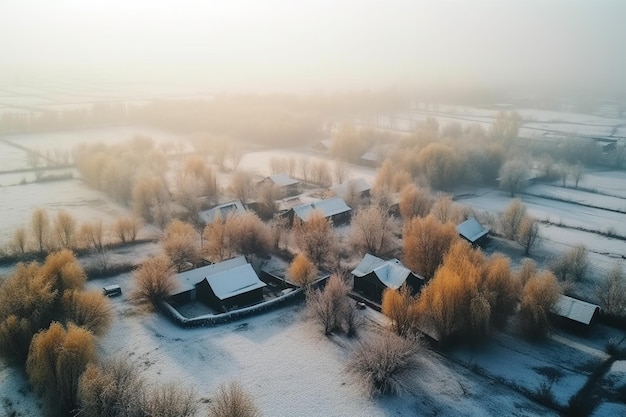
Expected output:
(357, 185)
(221, 286)
(222, 211)
(373, 276)
(575, 313)
(287, 185)
(472, 231)
(334, 209)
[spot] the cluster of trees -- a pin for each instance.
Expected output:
(45, 234)
(49, 324)
(470, 293)
(516, 224)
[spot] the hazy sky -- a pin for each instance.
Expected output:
(310, 45)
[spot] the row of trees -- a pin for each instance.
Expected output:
(45, 234)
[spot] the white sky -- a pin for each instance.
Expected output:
(308, 45)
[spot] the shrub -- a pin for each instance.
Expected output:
(385, 364)
(170, 400)
(512, 218)
(232, 401)
(89, 309)
(572, 265)
(56, 359)
(114, 389)
(154, 281)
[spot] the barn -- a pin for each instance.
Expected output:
(222, 211)
(472, 231)
(373, 275)
(334, 209)
(221, 286)
(574, 313)
(287, 185)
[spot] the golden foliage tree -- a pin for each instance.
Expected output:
(181, 243)
(65, 229)
(512, 217)
(126, 228)
(414, 202)
(40, 228)
(426, 242)
(154, 280)
(441, 165)
(540, 294)
(302, 271)
(401, 307)
(62, 270)
(88, 309)
(56, 359)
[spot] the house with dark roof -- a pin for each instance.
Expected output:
(373, 275)
(472, 231)
(575, 313)
(287, 185)
(222, 286)
(222, 211)
(334, 209)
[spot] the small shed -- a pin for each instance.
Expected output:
(576, 312)
(222, 211)
(334, 209)
(472, 231)
(235, 287)
(373, 275)
(289, 186)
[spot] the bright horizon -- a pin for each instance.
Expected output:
(523, 46)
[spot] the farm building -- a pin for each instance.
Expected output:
(221, 286)
(222, 211)
(358, 186)
(373, 275)
(334, 209)
(472, 231)
(287, 185)
(575, 313)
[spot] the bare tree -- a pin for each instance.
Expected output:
(316, 238)
(571, 265)
(612, 292)
(577, 172)
(19, 240)
(340, 171)
(65, 229)
(514, 176)
(126, 228)
(235, 154)
(329, 306)
(512, 218)
(373, 231)
(506, 126)
(232, 401)
(386, 363)
(446, 210)
(40, 228)
(527, 234)
(242, 186)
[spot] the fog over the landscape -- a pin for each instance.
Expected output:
(523, 46)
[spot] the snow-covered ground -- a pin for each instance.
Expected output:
(577, 196)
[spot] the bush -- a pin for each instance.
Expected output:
(331, 306)
(572, 265)
(154, 281)
(386, 363)
(302, 271)
(114, 389)
(89, 309)
(56, 359)
(232, 401)
(170, 400)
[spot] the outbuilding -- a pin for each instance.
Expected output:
(334, 209)
(472, 231)
(575, 313)
(373, 275)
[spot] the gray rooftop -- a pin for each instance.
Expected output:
(234, 281)
(574, 309)
(189, 279)
(222, 211)
(329, 207)
(391, 272)
(471, 230)
(283, 180)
